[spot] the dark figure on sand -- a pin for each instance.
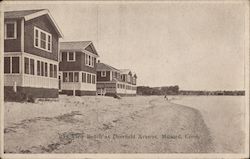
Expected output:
(165, 97)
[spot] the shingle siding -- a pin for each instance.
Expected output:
(44, 24)
(77, 65)
(73, 65)
(87, 68)
(13, 45)
(106, 78)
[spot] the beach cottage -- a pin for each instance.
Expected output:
(77, 68)
(31, 48)
(130, 78)
(112, 81)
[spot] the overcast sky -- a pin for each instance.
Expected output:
(194, 45)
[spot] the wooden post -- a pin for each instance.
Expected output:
(74, 91)
(15, 87)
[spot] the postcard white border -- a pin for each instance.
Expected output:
(116, 155)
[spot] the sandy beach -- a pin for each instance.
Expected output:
(105, 125)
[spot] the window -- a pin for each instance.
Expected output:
(68, 56)
(15, 65)
(29, 66)
(11, 65)
(42, 39)
(70, 76)
(88, 78)
(65, 77)
(55, 71)
(86, 60)
(92, 61)
(36, 38)
(64, 56)
(51, 72)
(76, 76)
(71, 56)
(46, 69)
(38, 68)
(103, 73)
(49, 42)
(26, 65)
(42, 68)
(6, 64)
(10, 30)
(32, 67)
(89, 60)
(84, 77)
(93, 79)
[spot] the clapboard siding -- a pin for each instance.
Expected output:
(77, 65)
(87, 68)
(106, 78)
(43, 23)
(13, 45)
(64, 65)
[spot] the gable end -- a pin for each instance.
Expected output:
(90, 49)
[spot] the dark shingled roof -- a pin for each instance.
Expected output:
(102, 66)
(125, 71)
(76, 45)
(20, 13)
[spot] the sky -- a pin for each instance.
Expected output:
(198, 46)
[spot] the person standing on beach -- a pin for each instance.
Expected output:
(165, 97)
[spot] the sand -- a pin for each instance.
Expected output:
(105, 125)
(225, 118)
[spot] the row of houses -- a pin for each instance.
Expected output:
(37, 64)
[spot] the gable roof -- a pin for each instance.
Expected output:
(31, 14)
(20, 13)
(103, 66)
(77, 45)
(128, 71)
(125, 71)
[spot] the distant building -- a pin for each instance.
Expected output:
(128, 77)
(77, 68)
(31, 39)
(111, 81)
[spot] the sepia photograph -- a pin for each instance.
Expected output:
(124, 79)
